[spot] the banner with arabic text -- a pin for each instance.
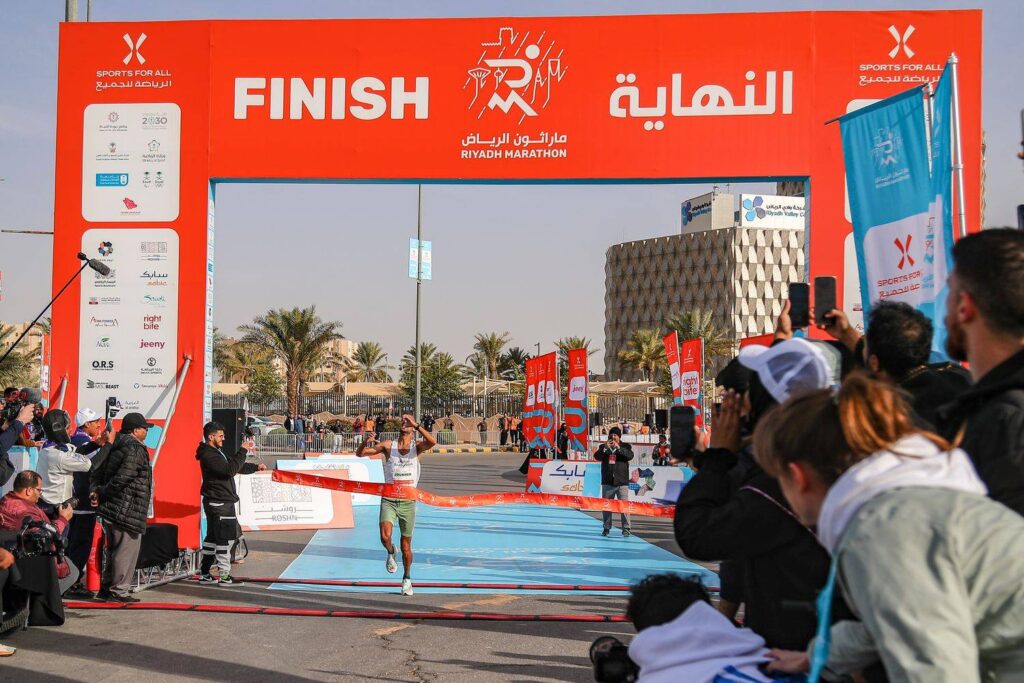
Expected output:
(671, 341)
(577, 415)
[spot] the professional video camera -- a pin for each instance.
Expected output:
(37, 538)
(610, 657)
(14, 406)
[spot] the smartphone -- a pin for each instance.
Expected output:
(111, 412)
(681, 422)
(799, 301)
(824, 297)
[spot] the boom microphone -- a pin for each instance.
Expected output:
(100, 267)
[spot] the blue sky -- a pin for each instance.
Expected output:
(342, 247)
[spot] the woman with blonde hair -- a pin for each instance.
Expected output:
(932, 568)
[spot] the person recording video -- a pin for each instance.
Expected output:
(614, 457)
(58, 462)
(14, 417)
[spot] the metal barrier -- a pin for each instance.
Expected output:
(346, 443)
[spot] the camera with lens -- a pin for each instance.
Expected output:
(13, 407)
(610, 657)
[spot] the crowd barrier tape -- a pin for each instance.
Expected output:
(477, 500)
(351, 614)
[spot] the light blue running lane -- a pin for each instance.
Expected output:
(501, 544)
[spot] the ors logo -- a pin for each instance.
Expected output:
(103, 365)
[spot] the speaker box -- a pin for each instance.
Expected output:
(233, 420)
(649, 420)
(661, 418)
(595, 419)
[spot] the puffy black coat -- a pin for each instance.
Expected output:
(616, 474)
(738, 513)
(991, 415)
(932, 386)
(219, 470)
(123, 482)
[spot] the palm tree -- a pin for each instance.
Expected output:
(476, 366)
(220, 353)
(510, 366)
(566, 344)
(700, 323)
(17, 367)
(368, 363)
(644, 352)
(299, 338)
(244, 360)
(490, 346)
(427, 351)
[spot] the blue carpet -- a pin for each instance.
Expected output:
(501, 544)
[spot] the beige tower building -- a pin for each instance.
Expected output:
(737, 264)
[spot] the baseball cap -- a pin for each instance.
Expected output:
(86, 415)
(788, 368)
(134, 421)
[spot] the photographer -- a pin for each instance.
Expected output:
(15, 418)
(22, 502)
(219, 499)
(58, 461)
(680, 637)
(614, 457)
(32, 436)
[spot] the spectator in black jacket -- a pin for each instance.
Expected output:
(731, 510)
(123, 483)
(985, 326)
(614, 457)
(219, 498)
(9, 436)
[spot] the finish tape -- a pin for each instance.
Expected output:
(478, 499)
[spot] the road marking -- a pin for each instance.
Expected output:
(496, 600)
(381, 632)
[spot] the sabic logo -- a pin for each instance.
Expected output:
(904, 249)
(133, 48)
(901, 41)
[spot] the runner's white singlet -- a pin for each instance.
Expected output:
(402, 469)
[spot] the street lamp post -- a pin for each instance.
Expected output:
(419, 286)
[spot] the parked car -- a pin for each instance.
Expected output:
(261, 426)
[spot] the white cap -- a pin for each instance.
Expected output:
(86, 415)
(788, 368)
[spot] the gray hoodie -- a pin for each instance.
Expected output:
(933, 569)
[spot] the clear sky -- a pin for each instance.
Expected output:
(343, 247)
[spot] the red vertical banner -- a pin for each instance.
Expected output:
(532, 372)
(671, 341)
(546, 410)
(577, 411)
(691, 375)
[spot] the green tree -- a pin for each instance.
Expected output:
(567, 344)
(220, 353)
(700, 323)
(427, 351)
(476, 366)
(243, 360)
(490, 346)
(441, 377)
(299, 338)
(264, 383)
(644, 352)
(16, 369)
(510, 366)
(368, 364)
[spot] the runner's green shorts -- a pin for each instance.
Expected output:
(401, 511)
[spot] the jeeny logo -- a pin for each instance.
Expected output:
(901, 41)
(133, 48)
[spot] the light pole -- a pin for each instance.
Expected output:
(538, 349)
(419, 285)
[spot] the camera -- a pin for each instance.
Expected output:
(36, 538)
(13, 407)
(611, 661)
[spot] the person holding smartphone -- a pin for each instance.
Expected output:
(614, 457)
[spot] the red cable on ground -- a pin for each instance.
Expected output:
(448, 584)
(346, 614)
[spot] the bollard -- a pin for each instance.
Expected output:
(92, 567)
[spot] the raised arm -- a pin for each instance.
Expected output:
(427, 442)
(370, 446)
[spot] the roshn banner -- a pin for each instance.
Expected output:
(886, 152)
(691, 375)
(577, 412)
(939, 240)
(671, 341)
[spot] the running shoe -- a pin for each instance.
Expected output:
(228, 581)
(605, 532)
(626, 532)
(207, 579)
(391, 565)
(7, 651)
(406, 586)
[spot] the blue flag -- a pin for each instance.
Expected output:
(939, 240)
(885, 148)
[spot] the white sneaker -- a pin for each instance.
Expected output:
(391, 565)
(406, 586)
(6, 651)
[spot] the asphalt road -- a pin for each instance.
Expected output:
(167, 646)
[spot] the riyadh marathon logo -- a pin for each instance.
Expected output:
(886, 148)
(753, 209)
(515, 73)
(133, 48)
(904, 251)
(901, 41)
(106, 248)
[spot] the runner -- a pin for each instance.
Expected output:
(401, 466)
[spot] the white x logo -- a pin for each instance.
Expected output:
(901, 41)
(133, 48)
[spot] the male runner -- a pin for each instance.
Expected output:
(401, 466)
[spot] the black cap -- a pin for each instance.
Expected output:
(133, 421)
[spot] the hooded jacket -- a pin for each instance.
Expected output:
(932, 386)
(219, 470)
(731, 510)
(991, 415)
(929, 565)
(699, 646)
(124, 481)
